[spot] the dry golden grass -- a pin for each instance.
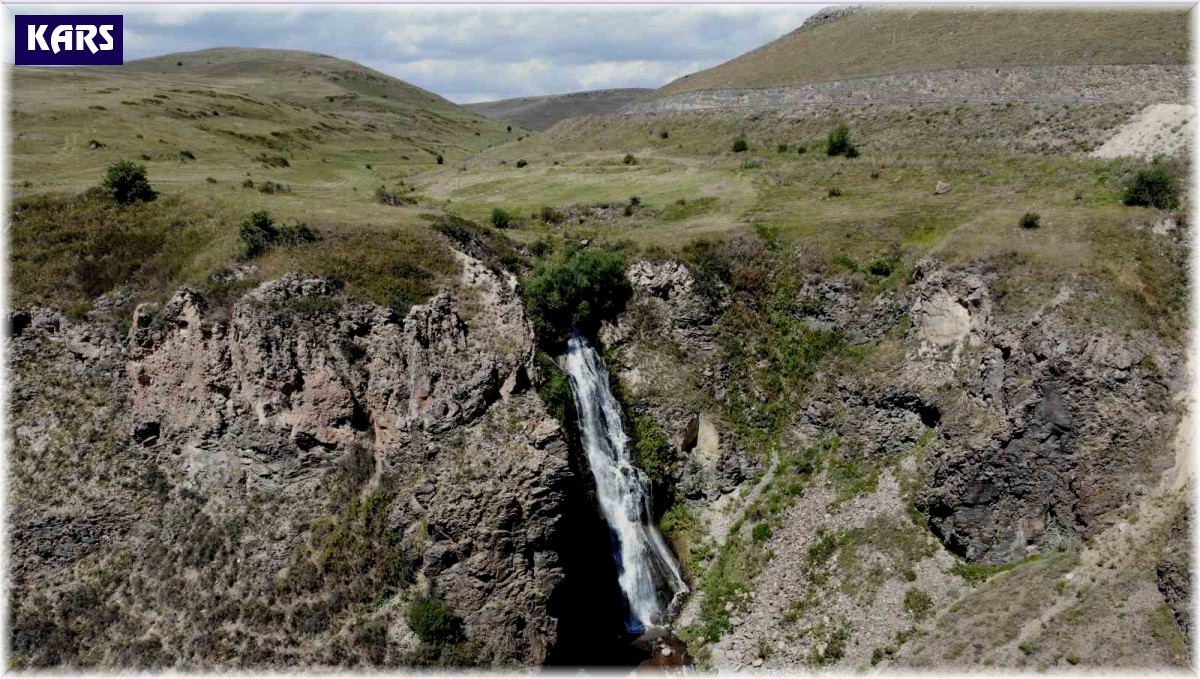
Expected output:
(906, 39)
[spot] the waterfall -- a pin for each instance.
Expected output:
(648, 574)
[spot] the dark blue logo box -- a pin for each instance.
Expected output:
(69, 40)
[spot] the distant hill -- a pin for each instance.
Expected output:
(228, 106)
(223, 133)
(288, 75)
(880, 41)
(541, 113)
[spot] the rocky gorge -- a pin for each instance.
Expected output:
(276, 480)
(282, 464)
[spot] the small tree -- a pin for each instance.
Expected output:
(522, 163)
(126, 182)
(782, 148)
(664, 135)
(740, 145)
(500, 218)
(839, 144)
(440, 159)
(510, 128)
(629, 159)
(257, 233)
(579, 291)
(1154, 187)
(1031, 220)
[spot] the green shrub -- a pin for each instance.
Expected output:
(839, 144)
(126, 182)
(440, 159)
(835, 648)
(1157, 187)
(500, 218)
(555, 391)
(834, 192)
(801, 149)
(761, 533)
(550, 216)
(1030, 220)
(664, 135)
(434, 622)
(652, 451)
(522, 163)
(509, 129)
(918, 603)
(577, 292)
(258, 233)
(629, 159)
(782, 148)
(273, 160)
(740, 145)
(270, 187)
(975, 573)
(881, 266)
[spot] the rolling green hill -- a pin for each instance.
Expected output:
(224, 133)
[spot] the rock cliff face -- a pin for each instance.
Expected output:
(1043, 84)
(1053, 428)
(275, 481)
(272, 483)
(1012, 432)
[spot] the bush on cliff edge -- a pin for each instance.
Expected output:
(581, 290)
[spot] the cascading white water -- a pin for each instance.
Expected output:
(648, 574)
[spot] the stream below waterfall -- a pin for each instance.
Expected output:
(649, 577)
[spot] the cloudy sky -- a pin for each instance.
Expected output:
(468, 53)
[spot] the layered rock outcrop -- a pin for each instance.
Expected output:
(259, 447)
(1054, 428)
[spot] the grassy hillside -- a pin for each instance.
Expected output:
(883, 41)
(576, 183)
(290, 75)
(541, 113)
(224, 133)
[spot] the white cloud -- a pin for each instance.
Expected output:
(468, 52)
